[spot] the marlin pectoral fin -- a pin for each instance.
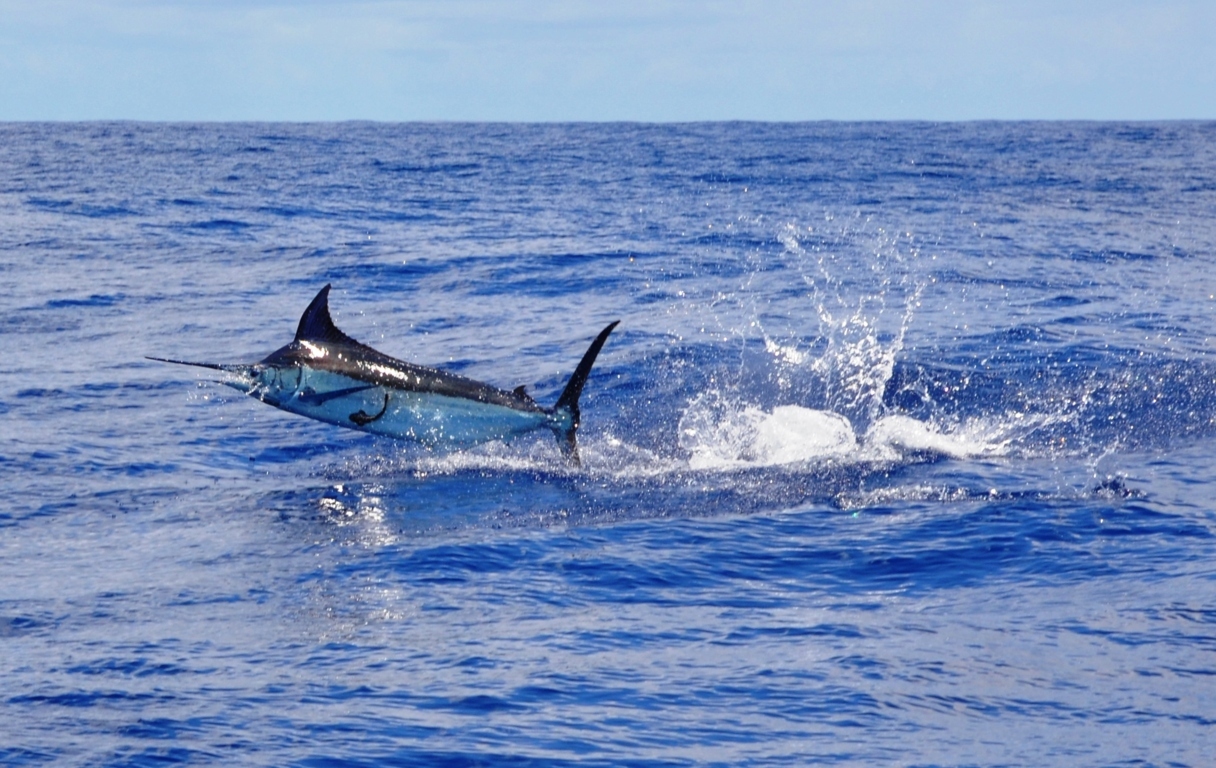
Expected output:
(320, 398)
(361, 418)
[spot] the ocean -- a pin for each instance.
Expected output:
(901, 453)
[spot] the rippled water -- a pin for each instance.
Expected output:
(899, 456)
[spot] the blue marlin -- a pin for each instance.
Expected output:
(326, 375)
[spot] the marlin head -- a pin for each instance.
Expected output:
(279, 376)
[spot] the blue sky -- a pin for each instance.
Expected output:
(652, 60)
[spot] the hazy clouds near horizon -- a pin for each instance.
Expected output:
(628, 60)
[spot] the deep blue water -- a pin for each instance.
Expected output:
(901, 454)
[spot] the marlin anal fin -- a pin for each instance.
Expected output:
(361, 417)
(568, 402)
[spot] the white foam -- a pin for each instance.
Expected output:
(896, 435)
(717, 436)
(720, 434)
(792, 434)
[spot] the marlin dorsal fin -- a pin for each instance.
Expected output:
(316, 324)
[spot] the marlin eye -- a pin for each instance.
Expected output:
(307, 392)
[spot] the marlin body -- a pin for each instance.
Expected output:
(326, 375)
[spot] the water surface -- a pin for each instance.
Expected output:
(899, 456)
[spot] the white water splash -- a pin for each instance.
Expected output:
(898, 436)
(859, 341)
(718, 433)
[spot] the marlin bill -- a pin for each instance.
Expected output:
(326, 375)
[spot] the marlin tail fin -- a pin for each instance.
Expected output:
(568, 402)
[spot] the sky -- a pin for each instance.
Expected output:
(643, 60)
